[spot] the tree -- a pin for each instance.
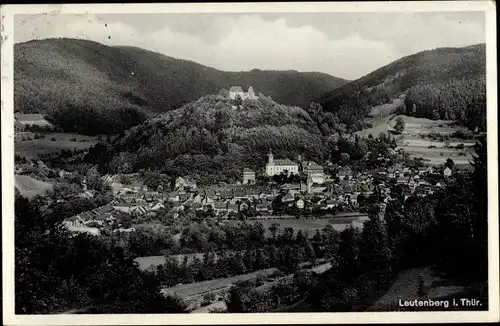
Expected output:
(344, 158)
(400, 124)
(449, 163)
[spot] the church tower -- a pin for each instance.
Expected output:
(84, 184)
(270, 158)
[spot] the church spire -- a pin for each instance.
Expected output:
(270, 157)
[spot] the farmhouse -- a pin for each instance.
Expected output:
(447, 172)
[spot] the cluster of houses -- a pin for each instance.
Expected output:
(319, 193)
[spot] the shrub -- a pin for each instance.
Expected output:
(208, 299)
(53, 139)
(73, 139)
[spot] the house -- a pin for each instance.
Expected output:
(139, 210)
(276, 167)
(288, 197)
(332, 203)
(184, 184)
(422, 170)
(243, 206)
(183, 197)
(248, 176)
(220, 207)
(403, 180)
(344, 173)
(299, 203)
(157, 207)
(173, 196)
(313, 171)
(196, 206)
(447, 172)
(232, 208)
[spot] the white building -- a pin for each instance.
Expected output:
(314, 171)
(248, 176)
(238, 91)
(275, 167)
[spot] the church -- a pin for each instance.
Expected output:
(275, 167)
(237, 90)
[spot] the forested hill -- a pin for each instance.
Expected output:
(92, 88)
(213, 138)
(442, 83)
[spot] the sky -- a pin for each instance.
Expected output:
(346, 45)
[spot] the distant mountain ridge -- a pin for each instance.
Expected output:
(110, 89)
(442, 66)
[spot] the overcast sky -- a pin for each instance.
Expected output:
(347, 45)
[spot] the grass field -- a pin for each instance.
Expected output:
(194, 289)
(383, 118)
(29, 187)
(309, 225)
(411, 142)
(31, 149)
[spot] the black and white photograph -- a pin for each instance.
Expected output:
(249, 161)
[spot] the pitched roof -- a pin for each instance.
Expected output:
(311, 165)
(236, 89)
(285, 161)
(220, 205)
(247, 170)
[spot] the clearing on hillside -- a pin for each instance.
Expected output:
(29, 187)
(27, 146)
(434, 152)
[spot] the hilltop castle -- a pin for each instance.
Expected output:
(237, 90)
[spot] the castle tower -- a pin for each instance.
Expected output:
(270, 158)
(251, 93)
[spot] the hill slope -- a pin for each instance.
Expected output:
(435, 79)
(91, 88)
(212, 140)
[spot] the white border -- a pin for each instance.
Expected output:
(7, 29)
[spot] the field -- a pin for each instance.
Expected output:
(411, 142)
(309, 225)
(194, 289)
(383, 118)
(31, 149)
(29, 187)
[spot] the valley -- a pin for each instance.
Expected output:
(171, 186)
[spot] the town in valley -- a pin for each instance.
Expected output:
(147, 183)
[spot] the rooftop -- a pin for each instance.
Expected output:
(236, 89)
(283, 162)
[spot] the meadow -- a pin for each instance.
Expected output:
(413, 139)
(194, 289)
(32, 148)
(29, 187)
